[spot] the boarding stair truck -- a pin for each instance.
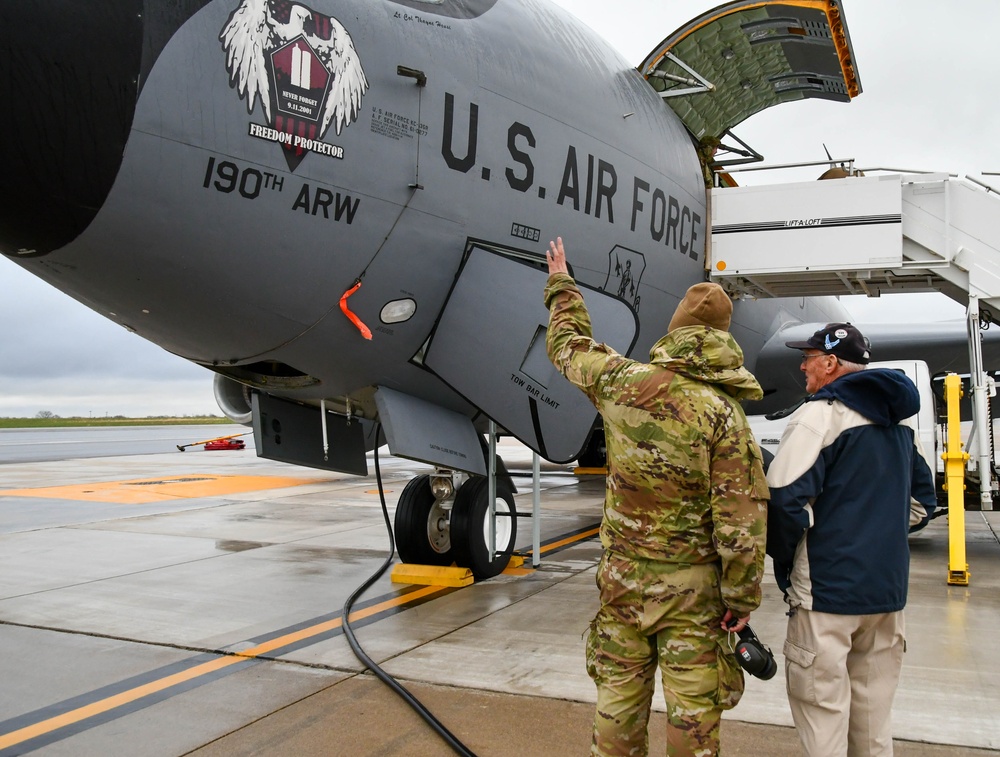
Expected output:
(868, 233)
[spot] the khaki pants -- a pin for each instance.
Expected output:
(842, 672)
(659, 615)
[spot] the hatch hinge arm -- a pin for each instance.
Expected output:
(750, 155)
(698, 85)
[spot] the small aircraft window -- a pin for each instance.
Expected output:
(398, 311)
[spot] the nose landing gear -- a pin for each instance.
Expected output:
(433, 530)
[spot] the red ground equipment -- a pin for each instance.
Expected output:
(219, 442)
(225, 444)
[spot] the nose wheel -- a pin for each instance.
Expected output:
(423, 534)
(470, 528)
(429, 532)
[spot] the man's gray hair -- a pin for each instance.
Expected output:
(850, 367)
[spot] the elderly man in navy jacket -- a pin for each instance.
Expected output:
(842, 483)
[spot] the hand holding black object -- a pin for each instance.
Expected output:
(754, 657)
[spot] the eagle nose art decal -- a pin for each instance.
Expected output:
(304, 68)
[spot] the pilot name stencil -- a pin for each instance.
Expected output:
(304, 68)
(434, 23)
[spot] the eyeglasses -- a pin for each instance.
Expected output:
(818, 354)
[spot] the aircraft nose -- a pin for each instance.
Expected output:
(68, 83)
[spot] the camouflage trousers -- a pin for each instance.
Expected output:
(660, 614)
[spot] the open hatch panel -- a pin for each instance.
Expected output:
(743, 57)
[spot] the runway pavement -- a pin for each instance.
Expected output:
(190, 603)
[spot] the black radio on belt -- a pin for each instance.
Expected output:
(754, 657)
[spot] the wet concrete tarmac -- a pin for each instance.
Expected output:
(205, 618)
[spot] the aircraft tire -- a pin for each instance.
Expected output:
(420, 537)
(470, 528)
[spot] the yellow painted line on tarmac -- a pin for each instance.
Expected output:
(517, 561)
(126, 697)
(330, 625)
(136, 693)
(571, 539)
(110, 703)
(145, 491)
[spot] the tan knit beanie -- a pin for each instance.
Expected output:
(705, 304)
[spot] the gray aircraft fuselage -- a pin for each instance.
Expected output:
(215, 176)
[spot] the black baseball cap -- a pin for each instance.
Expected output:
(840, 339)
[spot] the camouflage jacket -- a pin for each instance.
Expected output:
(685, 481)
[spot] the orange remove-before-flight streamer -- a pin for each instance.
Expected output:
(365, 331)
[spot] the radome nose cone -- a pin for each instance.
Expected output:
(68, 84)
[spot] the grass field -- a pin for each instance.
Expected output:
(112, 421)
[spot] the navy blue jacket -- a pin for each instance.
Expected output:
(841, 486)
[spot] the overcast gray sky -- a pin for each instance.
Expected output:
(929, 72)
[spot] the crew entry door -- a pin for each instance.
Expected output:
(495, 321)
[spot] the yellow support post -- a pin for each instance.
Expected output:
(954, 471)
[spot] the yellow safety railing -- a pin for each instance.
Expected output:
(954, 471)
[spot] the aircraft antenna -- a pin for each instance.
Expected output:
(829, 156)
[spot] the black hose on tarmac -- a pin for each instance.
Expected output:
(388, 680)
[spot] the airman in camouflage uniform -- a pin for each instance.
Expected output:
(684, 517)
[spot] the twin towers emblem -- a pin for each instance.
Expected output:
(304, 68)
